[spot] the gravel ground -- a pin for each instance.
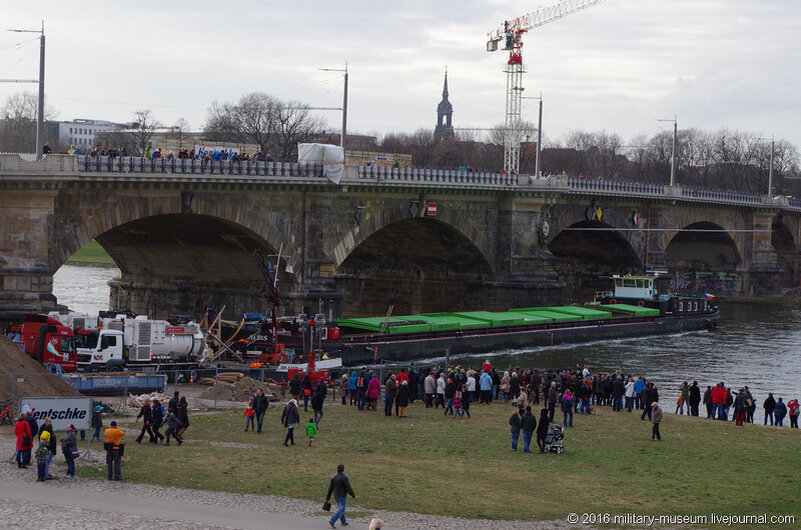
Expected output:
(37, 513)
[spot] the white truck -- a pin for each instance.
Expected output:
(114, 340)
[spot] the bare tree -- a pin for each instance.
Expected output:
(178, 131)
(292, 124)
(142, 130)
(18, 122)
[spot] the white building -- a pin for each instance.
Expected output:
(81, 133)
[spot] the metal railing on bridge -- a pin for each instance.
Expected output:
(644, 188)
(192, 166)
(723, 196)
(436, 175)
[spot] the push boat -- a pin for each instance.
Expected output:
(633, 308)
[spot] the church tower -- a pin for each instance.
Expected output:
(444, 128)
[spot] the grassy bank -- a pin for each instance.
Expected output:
(91, 254)
(430, 464)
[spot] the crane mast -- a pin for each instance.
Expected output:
(510, 37)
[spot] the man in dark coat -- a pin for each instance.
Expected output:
(260, 404)
(527, 424)
(318, 400)
(534, 385)
(618, 389)
(172, 406)
(340, 488)
(695, 398)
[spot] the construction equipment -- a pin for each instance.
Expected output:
(510, 37)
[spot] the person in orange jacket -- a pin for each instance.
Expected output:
(114, 448)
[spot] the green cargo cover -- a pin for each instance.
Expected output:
(582, 312)
(634, 310)
(550, 315)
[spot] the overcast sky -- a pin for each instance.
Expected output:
(616, 66)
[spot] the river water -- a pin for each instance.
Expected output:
(754, 345)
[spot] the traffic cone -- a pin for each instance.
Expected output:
(192, 378)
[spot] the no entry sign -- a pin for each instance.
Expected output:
(431, 209)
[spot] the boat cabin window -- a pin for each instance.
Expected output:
(681, 306)
(628, 282)
(618, 282)
(695, 306)
(640, 284)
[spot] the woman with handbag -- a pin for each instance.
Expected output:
(69, 446)
(24, 441)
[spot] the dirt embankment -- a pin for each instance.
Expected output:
(37, 382)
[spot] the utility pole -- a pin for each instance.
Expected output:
(539, 142)
(770, 169)
(40, 112)
(343, 136)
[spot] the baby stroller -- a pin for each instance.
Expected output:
(554, 439)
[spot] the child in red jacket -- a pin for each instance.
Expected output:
(250, 416)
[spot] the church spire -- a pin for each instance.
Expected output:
(444, 128)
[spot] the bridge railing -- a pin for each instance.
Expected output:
(613, 186)
(398, 174)
(722, 196)
(191, 166)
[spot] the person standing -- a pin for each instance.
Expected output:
(69, 446)
(440, 392)
(514, 423)
(41, 456)
(542, 429)
(618, 391)
(553, 399)
(567, 408)
(792, 413)
(46, 432)
(343, 388)
(307, 392)
(779, 413)
(639, 386)
(648, 400)
(146, 413)
(296, 385)
(739, 407)
(390, 389)
(629, 394)
(403, 398)
(290, 417)
(430, 388)
(710, 406)
(505, 384)
(485, 386)
(97, 422)
(318, 400)
(340, 488)
(695, 398)
(373, 392)
(260, 405)
(769, 405)
(527, 424)
(22, 430)
(684, 396)
(450, 391)
(656, 418)
(114, 448)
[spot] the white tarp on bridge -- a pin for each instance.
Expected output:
(332, 158)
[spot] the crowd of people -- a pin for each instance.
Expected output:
(183, 153)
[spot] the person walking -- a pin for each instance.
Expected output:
(290, 417)
(340, 488)
(22, 430)
(114, 448)
(318, 400)
(514, 423)
(157, 420)
(769, 405)
(174, 427)
(684, 397)
(249, 415)
(69, 446)
(307, 392)
(656, 419)
(296, 386)
(146, 413)
(183, 416)
(542, 429)
(260, 405)
(311, 430)
(527, 424)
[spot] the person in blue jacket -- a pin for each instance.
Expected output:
(485, 385)
(779, 412)
(352, 387)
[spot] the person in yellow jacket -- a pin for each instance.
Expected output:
(114, 448)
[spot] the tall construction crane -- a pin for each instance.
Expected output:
(510, 37)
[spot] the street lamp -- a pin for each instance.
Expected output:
(40, 112)
(673, 156)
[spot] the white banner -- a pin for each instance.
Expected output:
(61, 410)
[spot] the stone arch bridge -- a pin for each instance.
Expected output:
(182, 237)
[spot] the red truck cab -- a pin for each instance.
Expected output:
(48, 341)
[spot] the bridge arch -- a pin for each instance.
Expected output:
(179, 259)
(416, 264)
(703, 246)
(787, 256)
(588, 253)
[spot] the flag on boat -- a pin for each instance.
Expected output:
(289, 269)
(270, 267)
(708, 296)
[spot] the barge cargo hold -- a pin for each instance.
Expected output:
(634, 309)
